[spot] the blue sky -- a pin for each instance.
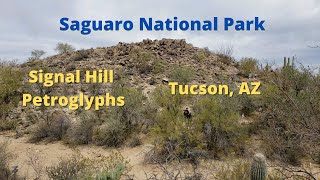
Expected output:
(291, 25)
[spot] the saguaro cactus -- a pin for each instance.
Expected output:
(288, 63)
(258, 167)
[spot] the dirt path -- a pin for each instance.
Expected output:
(51, 153)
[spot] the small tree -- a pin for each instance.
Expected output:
(36, 54)
(64, 47)
(249, 65)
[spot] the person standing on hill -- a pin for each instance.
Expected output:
(187, 113)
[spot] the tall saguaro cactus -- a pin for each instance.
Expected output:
(258, 167)
(287, 63)
(284, 62)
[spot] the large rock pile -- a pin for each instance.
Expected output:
(174, 52)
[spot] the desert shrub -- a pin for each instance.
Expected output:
(145, 62)
(79, 55)
(159, 66)
(111, 167)
(69, 169)
(246, 103)
(280, 143)
(122, 121)
(113, 133)
(135, 141)
(176, 170)
(131, 114)
(220, 125)
(163, 98)
(52, 127)
(291, 110)
(238, 169)
(5, 172)
(181, 74)
(214, 128)
(280, 172)
(71, 67)
(38, 89)
(95, 88)
(225, 52)
(8, 124)
(225, 59)
(199, 56)
(36, 54)
(82, 131)
(115, 174)
(248, 65)
(63, 48)
(10, 82)
(175, 138)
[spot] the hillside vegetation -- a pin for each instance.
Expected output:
(283, 122)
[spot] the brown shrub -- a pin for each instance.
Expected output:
(53, 127)
(5, 172)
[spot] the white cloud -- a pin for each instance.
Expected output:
(290, 24)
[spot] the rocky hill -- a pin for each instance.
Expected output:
(154, 121)
(130, 58)
(143, 65)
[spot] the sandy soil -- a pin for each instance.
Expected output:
(51, 153)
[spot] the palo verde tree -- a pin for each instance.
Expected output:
(64, 47)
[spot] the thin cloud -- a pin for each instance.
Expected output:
(290, 25)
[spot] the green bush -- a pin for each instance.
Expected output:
(146, 62)
(121, 122)
(69, 169)
(113, 133)
(220, 125)
(64, 47)
(163, 98)
(11, 78)
(183, 75)
(214, 127)
(131, 113)
(246, 103)
(36, 54)
(291, 108)
(199, 56)
(174, 136)
(111, 167)
(111, 175)
(248, 65)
